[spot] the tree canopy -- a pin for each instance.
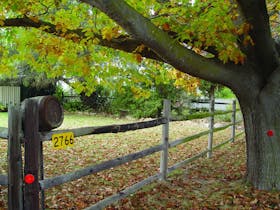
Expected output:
(69, 40)
(72, 39)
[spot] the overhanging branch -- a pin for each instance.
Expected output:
(124, 43)
(44, 26)
(167, 48)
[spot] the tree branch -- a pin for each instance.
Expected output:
(256, 14)
(124, 43)
(44, 26)
(167, 48)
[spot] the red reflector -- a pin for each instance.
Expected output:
(270, 133)
(29, 179)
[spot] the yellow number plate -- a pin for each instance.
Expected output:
(63, 140)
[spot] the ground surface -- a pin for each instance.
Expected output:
(215, 183)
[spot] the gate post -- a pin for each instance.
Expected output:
(15, 201)
(165, 139)
(31, 154)
(211, 121)
(233, 120)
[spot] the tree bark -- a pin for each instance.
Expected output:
(261, 115)
(255, 12)
(263, 145)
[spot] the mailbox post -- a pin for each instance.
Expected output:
(42, 113)
(31, 154)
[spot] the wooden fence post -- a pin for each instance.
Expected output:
(233, 120)
(31, 154)
(211, 121)
(165, 138)
(14, 160)
(42, 174)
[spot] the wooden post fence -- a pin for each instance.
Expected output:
(14, 160)
(233, 120)
(211, 121)
(165, 138)
(31, 154)
(24, 188)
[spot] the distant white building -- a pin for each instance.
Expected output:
(220, 104)
(9, 95)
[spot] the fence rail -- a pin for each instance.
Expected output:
(198, 135)
(3, 133)
(35, 163)
(124, 193)
(201, 115)
(48, 183)
(46, 136)
(4, 179)
(201, 154)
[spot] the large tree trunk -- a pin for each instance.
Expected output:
(262, 125)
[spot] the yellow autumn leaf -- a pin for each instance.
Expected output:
(248, 40)
(106, 34)
(140, 93)
(2, 20)
(139, 48)
(34, 19)
(58, 26)
(185, 81)
(110, 33)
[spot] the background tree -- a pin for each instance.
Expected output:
(222, 41)
(31, 83)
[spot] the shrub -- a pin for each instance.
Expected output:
(73, 106)
(3, 108)
(136, 107)
(98, 101)
(224, 117)
(59, 93)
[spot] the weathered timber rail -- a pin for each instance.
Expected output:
(4, 179)
(27, 196)
(3, 133)
(58, 180)
(46, 136)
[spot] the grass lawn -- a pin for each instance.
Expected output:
(3, 119)
(214, 183)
